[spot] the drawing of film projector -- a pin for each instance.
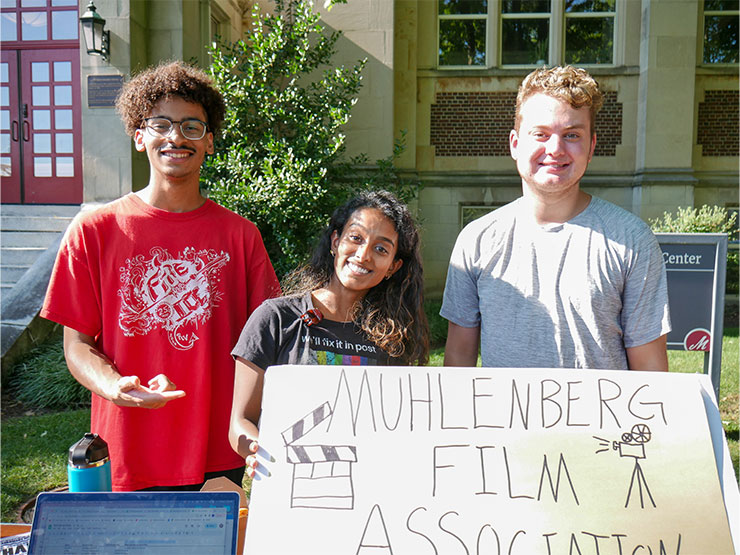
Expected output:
(633, 446)
(633, 442)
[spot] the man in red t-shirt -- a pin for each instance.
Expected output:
(153, 290)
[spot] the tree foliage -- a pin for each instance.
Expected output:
(281, 158)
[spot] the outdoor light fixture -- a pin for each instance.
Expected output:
(97, 39)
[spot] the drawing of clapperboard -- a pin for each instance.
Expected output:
(322, 474)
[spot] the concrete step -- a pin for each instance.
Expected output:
(25, 223)
(28, 239)
(10, 273)
(40, 210)
(19, 256)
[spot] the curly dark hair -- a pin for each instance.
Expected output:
(174, 78)
(392, 313)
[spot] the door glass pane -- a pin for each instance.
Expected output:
(42, 143)
(3, 72)
(8, 29)
(33, 3)
(5, 143)
(589, 41)
(40, 72)
(64, 25)
(5, 168)
(7, 4)
(63, 95)
(64, 143)
(525, 41)
(462, 42)
(4, 96)
(62, 119)
(5, 120)
(40, 96)
(41, 119)
(62, 71)
(65, 166)
(63, 2)
(42, 166)
(33, 26)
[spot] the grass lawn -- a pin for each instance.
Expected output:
(34, 448)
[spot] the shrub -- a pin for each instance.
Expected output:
(41, 380)
(707, 219)
(437, 324)
(280, 159)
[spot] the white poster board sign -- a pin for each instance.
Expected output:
(377, 460)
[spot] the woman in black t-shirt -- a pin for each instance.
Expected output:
(360, 298)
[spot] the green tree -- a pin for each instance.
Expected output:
(280, 160)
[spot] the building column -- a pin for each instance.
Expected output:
(665, 127)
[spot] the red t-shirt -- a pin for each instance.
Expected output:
(169, 293)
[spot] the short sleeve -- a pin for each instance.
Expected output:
(259, 339)
(73, 296)
(460, 304)
(645, 314)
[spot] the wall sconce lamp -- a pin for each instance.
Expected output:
(97, 39)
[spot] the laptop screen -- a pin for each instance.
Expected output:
(137, 522)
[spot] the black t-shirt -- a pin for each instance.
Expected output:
(276, 334)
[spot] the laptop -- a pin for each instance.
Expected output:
(179, 523)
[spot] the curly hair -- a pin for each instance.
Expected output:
(392, 313)
(567, 83)
(138, 97)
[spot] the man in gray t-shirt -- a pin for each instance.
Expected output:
(557, 278)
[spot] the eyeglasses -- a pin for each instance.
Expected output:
(190, 128)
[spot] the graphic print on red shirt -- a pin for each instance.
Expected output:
(170, 292)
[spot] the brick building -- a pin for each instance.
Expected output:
(445, 72)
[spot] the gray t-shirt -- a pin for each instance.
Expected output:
(571, 295)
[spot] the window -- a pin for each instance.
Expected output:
(589, 31)
(41, 21)
(483, 33)
(470, 212)
(463, 30)
(721, 31)
(525, 32)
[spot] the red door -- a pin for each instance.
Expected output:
(10, 129)
(40, 107)
(52, 130)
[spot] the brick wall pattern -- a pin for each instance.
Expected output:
(717, 128)
(478, 124)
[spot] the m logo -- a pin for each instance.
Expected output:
(697, 339)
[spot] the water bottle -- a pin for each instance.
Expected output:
(89, 466)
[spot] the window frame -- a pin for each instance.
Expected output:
(704, 14)
(557, 20)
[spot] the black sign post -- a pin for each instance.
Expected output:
(696, 265)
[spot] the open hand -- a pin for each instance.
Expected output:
(130, 393)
